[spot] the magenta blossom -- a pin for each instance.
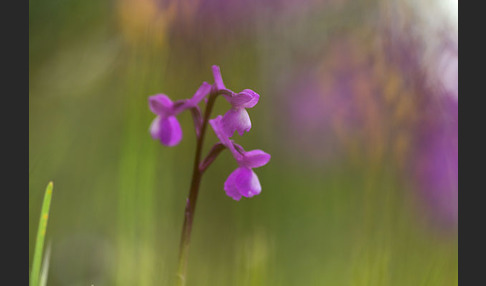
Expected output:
(242, 181)
(237, 118)
(165, 127)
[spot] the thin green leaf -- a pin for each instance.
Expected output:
(45, 266)
(41, 234)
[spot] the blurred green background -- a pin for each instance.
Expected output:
(357, 191)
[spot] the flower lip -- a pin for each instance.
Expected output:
(236, 119)
(167, 130)
(242, 182)
(230, 186)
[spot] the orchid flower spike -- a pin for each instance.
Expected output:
(165, 127)
(237, 118)
(242, 181)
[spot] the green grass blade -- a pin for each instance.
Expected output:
(45, 266)
(41, 234)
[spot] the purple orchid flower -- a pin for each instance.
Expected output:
(165, 127)
(237, 118)
(242, 181)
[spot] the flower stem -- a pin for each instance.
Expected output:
(193, 192)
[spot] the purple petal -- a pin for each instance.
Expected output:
(167, 130)
(236, 119)
(218, 129)
(218, 80)
(230, 186)
(161, 104)
(216, 123)
(254, 159)
(245, 99)
(242, 182)
(202, 91)
(155, 128)
(179, 106)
